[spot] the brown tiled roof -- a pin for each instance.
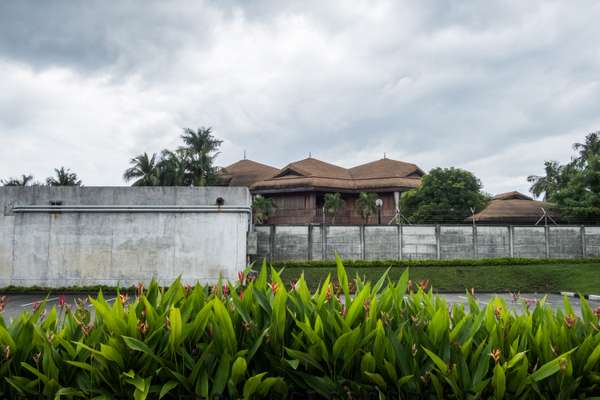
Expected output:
(246, 172)
(514, 195)
(311, 167)
(514, 207)
(311, 173)
(385, 168)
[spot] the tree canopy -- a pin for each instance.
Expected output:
(64, 177)
(191, 164)
(445, 194)
(574, 187)
(24, 180)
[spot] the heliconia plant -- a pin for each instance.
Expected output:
(261, 338)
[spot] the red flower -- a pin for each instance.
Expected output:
(36, 306)
(242, 295)
(597, 312)
(293, 285)
(328, 294)
(61, 300)
(225, 290)
(241, 277)
(274, 287)
(570, 320)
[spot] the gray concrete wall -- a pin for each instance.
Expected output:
(529, 241)
(110, 246)
(419, 242)
(565, 242)
(456, 242)
(592, 241)
(428, 242)
(493, 241)
(382, 242)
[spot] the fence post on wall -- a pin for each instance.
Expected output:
(475, 246)
(583, 246)
(399, 241)
(437, 242)
(272, 243)
(547, 236)
(362, 242)
(323, 242)
(309, 239)
(511, 241)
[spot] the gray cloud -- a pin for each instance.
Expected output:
(493, 87)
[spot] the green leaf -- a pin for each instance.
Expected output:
(592, 359)
(550, 368)
(436, 360)
(138, 345)
(499, 381)
(166, 388)
(342, 278)
(175, 331)
(251, 385)
(238, 370)
(376, 379)
(68, 392)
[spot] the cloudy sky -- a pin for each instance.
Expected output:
(493, 87)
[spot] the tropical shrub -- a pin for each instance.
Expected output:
(258, 338)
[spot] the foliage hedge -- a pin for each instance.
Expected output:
(258, 338)
(432, 263)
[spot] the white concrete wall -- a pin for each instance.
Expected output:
(373, 242)
(62, 249)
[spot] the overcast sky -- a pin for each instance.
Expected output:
(493, 87)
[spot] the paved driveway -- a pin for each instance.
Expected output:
(18, 303)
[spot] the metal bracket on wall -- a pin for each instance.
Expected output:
(130, 209)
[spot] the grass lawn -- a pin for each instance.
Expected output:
(584, 278)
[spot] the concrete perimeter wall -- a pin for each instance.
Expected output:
(308, 242)
(120, 235)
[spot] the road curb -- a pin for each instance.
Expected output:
(593, 297)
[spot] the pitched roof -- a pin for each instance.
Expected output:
(246, 172)
(514, 207)
(311, 167)
(514, 195)
(311, 173)
(385, 168)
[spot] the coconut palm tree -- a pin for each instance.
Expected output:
(548, 184)
(144, 170)
(589, 148)
(333, 203)
(24, 180)
(200, 150)
(172, 169)
(366, 206)
(262, 209)
(64, 177)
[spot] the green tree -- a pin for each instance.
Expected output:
(262, 209)
(200, 150)
(547, 184)
(574, 188)
(589, 148)
(64, 177)
(366, 205)
(24, 180)
(333, 203)
(143, 171)
(172, 169)
(445, 195)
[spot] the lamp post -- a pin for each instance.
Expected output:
(379, 204)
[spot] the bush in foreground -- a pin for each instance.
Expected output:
(258, 338)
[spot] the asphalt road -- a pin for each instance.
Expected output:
(17, 303)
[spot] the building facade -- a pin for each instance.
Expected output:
(298, 189)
